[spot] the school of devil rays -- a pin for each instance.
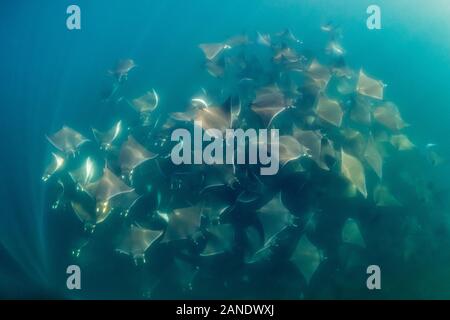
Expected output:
(343, 198)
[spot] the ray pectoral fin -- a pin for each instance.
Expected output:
(290, 149)
(369, 87)
(132, 154)
(56, 165)
(183, 223)
(136, 241)
(351, 233)
(329, 110)
(383, 197)
(85, 174)
(373, 157)
(123, 201)
(401, 142)
(306, 257)
(108, 187)
(67, 140)
(388, 115)
(220, 239)
(320, 74)
(213, 50)
(274, 217)
(312, 141)
(106, 139)
(352, 169)
(146, 103)
(87, 215)
(268, 103)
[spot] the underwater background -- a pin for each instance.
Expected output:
(50, 76)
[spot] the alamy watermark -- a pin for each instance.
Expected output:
(231, 146)
(373, 22)
(73, 281)
(73, 21)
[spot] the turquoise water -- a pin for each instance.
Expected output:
(51, 76)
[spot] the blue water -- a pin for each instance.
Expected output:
(50, 76)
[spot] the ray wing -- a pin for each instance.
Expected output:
(107, 187)
(105, 139)
(213, 50)
(389, 116)
(269, 102)
(373, 157)
(132, 154)
(369, 87)
(383, 197)
(220, 239)
(401, 142)
(146, 103)
(55, 165)
(320, 74)
(183, 223)
(352, 234)
(274, 217)
(329, 110)
(352, 169)
(136, 241)
(84, 174)
(67, 140)
(306, 257)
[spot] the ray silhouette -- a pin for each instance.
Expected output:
(84, 174)
(89, 217)
(146, 103)
(183, 223)
(274, 217)
(320, 74)
(263, 39)
(373, 157)
(352, 234)
(214, 118)
(55, 165)
(306, 257)
(215, 69)
(220, 239)
(132, 154)
(136, 241)
(369, 87)
(361, 112)
(434, 155)
(383, 197)
(122, 69)
(354, 142)
(290, 149)
(389, 116)
(335, 49)
(286, 55)
(353, 170)
(236, 41)
(268, 103)
(105, 189)
(67, 140)
(329, 111)
(312, 140)
(213, 50)
(401, 142)
(106, 139)
(287, 35)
